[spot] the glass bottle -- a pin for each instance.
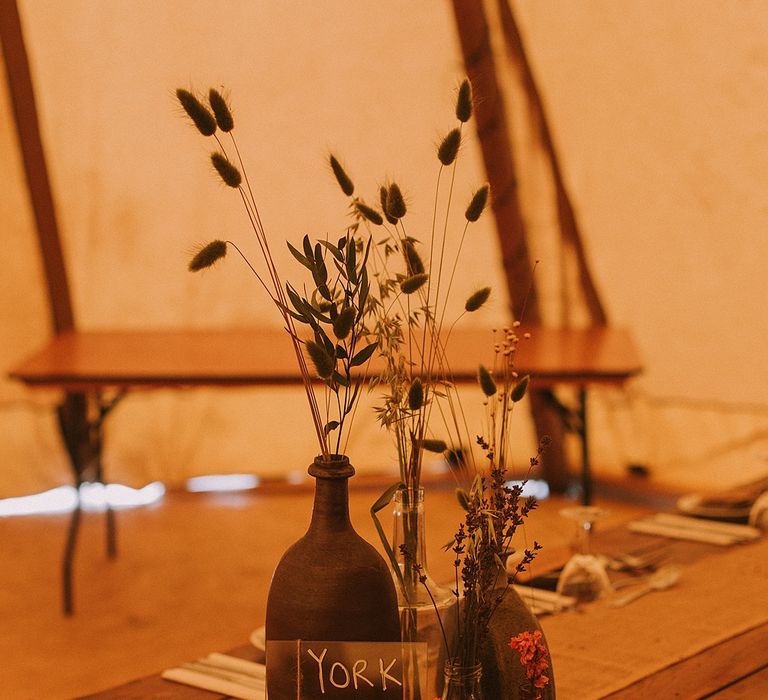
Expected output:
(427, 609)
(462, 682)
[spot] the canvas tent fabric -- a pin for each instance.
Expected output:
(658, 111)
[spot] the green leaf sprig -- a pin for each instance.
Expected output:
(334, 310)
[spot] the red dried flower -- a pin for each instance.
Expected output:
(534, 658)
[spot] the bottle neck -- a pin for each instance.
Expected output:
(330, 511)
(408, 539)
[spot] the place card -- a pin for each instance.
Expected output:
(336, 670)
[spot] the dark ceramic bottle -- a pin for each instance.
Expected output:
(331, 585)
(503, 675)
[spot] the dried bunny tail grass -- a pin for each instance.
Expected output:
(520, 389)
(477, 299)
(208, 255)
(346, 184)
(368, 213)
(449, 147)
(413, 283)
(383, 194)
(323, 362)
(228, 172)
(464, 101)
(431, 445)
(485, 379)
(342, 324)
(477, 203)
(395, 202)
(197, 112)
(221, 110)
(416, 395)
(413, 262)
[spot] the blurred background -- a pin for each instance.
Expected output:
(658, 111)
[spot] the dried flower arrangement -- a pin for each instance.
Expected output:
(415, 280)
(411, 300)
(404, 318)
(494, 511)
(332, 305)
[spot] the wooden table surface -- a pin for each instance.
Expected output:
(721, 651)
(698, 638)
(81, 360)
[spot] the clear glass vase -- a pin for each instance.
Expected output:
(462, 682)
(427, 609)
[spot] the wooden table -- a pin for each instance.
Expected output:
(97, 369)
(722, 651)
(94, 361)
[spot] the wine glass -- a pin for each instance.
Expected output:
(584, 576)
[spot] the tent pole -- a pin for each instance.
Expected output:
(472, 28)
(35, 168)
(566, 217)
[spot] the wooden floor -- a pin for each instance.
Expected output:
(190, 577)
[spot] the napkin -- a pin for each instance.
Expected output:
(542, 602)
(686, 528)
(223, 674)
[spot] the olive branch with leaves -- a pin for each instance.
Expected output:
(335, 312)
(333, 305)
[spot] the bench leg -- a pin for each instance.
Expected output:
(111, 533)
(109, 514)
(69, 555)
(548, 417)
(81, 422)
(573, 418)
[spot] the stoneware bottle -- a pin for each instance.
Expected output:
(503, 674)
(331, 585)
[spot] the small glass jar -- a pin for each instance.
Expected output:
(462, 682)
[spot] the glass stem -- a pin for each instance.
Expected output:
(585, 537)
